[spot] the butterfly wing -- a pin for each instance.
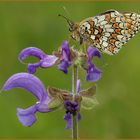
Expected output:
(110, 31)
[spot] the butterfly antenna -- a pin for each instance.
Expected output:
(71, 23)
(66, 10)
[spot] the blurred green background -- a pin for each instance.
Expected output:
(37, 24)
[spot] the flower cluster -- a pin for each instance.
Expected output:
(64, 58)
(53, 98)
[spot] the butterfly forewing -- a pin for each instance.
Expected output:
(109, 31)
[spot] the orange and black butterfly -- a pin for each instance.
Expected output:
(108, 31)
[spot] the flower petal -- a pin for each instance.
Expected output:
(66, 61)
(64, 66)
(31, 51)
(43, 107)
(48, 61)
(66, 51)
(28, 82)
(32, 67)
(45, 60)
(93, 73)
(68, 119)
(78, 86)
(93, 52)
(27, 116)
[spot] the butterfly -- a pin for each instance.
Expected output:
(108, 31)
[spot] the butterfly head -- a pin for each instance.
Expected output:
(73, 28)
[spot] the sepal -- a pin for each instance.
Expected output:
(90, 92)
(89, 103)
(55, 103)
(59, 93)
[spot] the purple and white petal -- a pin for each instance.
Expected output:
(43, 107)
(48, 61)
(27, 116)
(93, 52)
(28, 82)
(78, 86)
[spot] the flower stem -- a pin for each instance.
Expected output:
(74, 91)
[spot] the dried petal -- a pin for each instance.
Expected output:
(90, 92)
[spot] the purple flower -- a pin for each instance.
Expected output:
(72, 107)
(93, 73)
(47, 61)
(65, 60)
(32, 84)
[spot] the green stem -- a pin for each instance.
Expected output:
(74, 91)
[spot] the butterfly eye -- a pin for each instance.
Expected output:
(86, 28)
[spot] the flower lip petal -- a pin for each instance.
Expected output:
(93, 52)
(78, 86)
(28, 82)
(27, 116)
(31, 51)
(64, 66)
(68, 119)
(93, 74)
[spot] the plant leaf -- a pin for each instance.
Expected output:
(55, 103)
(88, 103)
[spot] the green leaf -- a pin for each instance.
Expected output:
(89, 103)
(55, 103)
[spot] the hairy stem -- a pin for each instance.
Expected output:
(74, 91)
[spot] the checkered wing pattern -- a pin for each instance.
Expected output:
(110, 31)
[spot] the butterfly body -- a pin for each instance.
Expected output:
(108, 31)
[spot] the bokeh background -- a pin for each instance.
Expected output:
(25, 24)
